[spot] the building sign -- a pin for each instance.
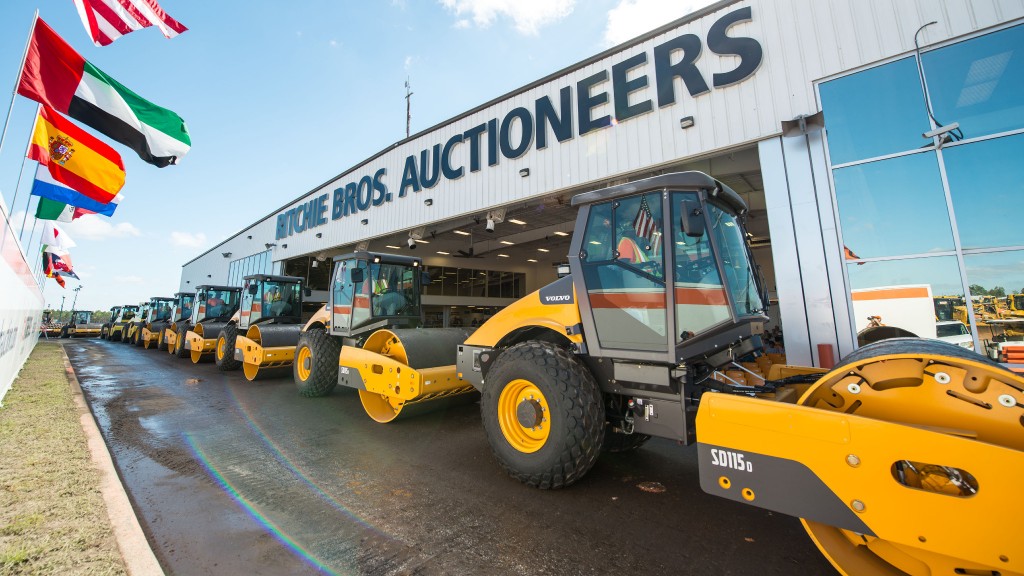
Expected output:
(523, 128)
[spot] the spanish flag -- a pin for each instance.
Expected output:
(76, 158)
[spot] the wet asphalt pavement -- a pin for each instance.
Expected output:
(234, 477)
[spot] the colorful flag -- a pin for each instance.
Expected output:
(849, 255)
(76, 158)
(55, 75)
(50, 267)
(108, 20)
(52, 210)
(644, 224)
(54, 236)
(58, 197)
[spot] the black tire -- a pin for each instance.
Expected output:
(179, 344)
(615, 441)
(915, 346)
(138, 340)
(103, 333)
(64, 333)
(324, 351)
(161, 344)
(115, 338)
(227, 362)
(577, 424)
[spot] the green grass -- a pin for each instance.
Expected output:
(52, 517)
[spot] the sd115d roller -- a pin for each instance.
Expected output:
(120, 318)
(214, 307)
(181, 319)
(269, 324)
(153, 324)
(367, 337)
(81, 325)
(906, 459)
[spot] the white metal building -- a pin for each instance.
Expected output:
(878, 199)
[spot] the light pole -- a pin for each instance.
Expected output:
(75, 301)
(61, 313)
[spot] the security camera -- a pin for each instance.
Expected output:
(411, 243)
(490, 225)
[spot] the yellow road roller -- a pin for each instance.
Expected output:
(81, 325)
(153, 324)
(269, 324)
(368, 337)
(181, 319)
(905, 459)
(214, 308)
(105, 327)
(120, 320)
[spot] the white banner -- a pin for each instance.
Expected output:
(21, 307)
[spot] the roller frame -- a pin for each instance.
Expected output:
(783, 442)
(365, 370)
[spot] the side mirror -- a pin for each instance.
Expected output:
(253, 289)
(357, 275)
(307, 292)
(692, 218)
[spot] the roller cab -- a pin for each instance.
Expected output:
(81, 325)
(181, 317)
(269, 324)
(213, 309)
(156, 321)
(120, 322)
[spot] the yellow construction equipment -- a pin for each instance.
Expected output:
(181, 319)
(271, 318)
(214, 308)
(80, 325)
(905, 459)
(120, 318)
(368, 337)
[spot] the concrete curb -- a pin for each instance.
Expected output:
(131, 541)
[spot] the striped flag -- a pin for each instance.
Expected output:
(52, 210)
(108, 20)
(55, 75)
(55, 198)
(644, 224)
(76, 158)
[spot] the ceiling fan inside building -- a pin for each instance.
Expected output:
(467, 253)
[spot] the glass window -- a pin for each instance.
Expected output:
(701, 301)
(874, 113)
(395, 290)
(996, 282)
(893, 207)
(896, 298)
(221, 303)
(436, 274)
(280, 299)
(739, 270)
(624, 274)
(986, 182)
(978, 83)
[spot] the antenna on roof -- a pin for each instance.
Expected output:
(408, 109)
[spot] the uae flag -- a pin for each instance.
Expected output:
(55, 75)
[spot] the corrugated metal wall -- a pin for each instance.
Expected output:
(802, 41)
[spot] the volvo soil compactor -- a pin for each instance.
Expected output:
(154, 322)
(181, 319)
(269, 324)
(905, 459)
(120, 320)
(369, 333)
(80, 325)
(131, 329)
(115, 311)
(214, 307)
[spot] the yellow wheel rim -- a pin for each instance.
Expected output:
(222, 344)
(304, 363)
(524, 416)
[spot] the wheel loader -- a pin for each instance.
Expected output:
(120, 320)
(904, 459)
(214, 308)
(155, 321)
(181, 318)
(374, 309)
(269, 325)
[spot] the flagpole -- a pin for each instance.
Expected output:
(14, 93)
(24, 159)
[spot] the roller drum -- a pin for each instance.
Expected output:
(276, 349)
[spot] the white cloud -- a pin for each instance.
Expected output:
(188, 240)
(128, 279)
(408, 62)
(632, 18)
(91, 227)
(332, 43)
(460, 24)
(528, 16)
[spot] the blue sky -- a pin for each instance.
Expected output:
(280, 97)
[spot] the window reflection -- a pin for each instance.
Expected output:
(978, 83)
(875, 112)
(997, 294)
(905, 297)
(893, 207)
(986, 182)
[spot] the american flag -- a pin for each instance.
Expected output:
(108, 20)
(644, 224)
